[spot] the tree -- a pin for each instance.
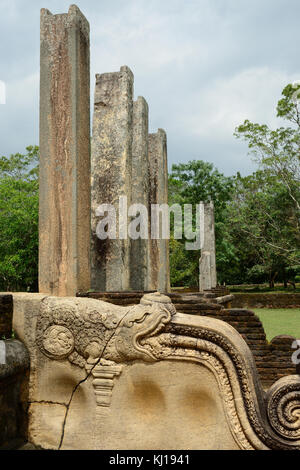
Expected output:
(278, 151)
(192, 183)
(262, 227)
(19, 221)
(267, 204)
(257, 216)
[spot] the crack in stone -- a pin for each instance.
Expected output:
(46, 402)
(84, 380)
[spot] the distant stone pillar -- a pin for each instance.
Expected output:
(213, 268)
(159, 265)
(111, 174)
(207, 263)
(64, 215)
(139, 251)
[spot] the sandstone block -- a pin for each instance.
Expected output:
(111, 175)
(64, 241)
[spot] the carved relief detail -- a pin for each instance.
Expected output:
(100, 337)
(283, 400)
(58, 342)
(250, 396)
(103, 373)
(173, 347)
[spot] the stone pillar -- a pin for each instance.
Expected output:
(139, 256)
(111, 174)
(207, 263)
(213, 267)
(159, 269)
(64, 216)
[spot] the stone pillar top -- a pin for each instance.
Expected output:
(141, 99)
(124, 68)
(73, 17)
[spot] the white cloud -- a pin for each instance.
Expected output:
(8, 9)
(23, 93)
(251, 94)
(2, 92)
(203, 65)
(19, 117)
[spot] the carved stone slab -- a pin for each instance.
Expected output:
(145, 377)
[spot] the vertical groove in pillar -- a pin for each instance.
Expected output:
(64, 215)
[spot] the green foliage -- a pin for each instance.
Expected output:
(264, 227)
(192, 183)
(181, 269)
(19, 221)
(257, 216)
(267, 204)
(277, 152)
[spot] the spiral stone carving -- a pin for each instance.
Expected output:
(283, 406)
(58, 342)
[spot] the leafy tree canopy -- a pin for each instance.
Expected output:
(19, 221)
(257, 216)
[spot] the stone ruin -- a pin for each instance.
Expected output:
(84, 373)
(207, 262)
(126, 161)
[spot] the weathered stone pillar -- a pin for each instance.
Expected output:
(111, 175)
(159, 269)
(139, 252)
(213, 247)
(207, 262)
(64, 219)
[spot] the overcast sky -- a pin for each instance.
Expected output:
(203, 66)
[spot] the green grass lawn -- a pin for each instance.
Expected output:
(280, 321)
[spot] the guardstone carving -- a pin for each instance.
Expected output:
(105, 341)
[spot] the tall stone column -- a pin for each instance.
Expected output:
(213, 267)
(207, 262)
(139, 252)
(159, 265)
(64, 215)
(111, 175)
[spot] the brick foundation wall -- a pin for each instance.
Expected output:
(280, 300)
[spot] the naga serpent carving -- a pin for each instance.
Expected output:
(100, 337)
(100, 330)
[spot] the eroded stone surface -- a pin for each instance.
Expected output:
(148, 367)
(64, 241)
(159, 265)
(139, 249)
(207, 262)
(111, 175)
